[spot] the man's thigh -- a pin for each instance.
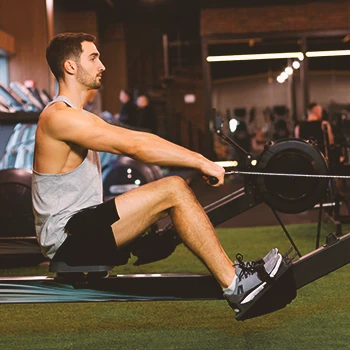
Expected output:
(140, 208)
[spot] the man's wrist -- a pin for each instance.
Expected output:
(202, 163)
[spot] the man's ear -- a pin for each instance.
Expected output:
(70, 67)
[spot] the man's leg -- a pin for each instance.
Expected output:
(140, 208)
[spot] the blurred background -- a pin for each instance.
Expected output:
(258, 64)
(160, 48)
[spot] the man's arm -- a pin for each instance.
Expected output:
(91, 132)
(329, 131)
(296, 131)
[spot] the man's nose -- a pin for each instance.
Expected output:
(102, 67)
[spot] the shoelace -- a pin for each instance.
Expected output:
(249, 267)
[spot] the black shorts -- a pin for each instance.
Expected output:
(90, 239)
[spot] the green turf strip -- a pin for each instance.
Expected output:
(318, 319)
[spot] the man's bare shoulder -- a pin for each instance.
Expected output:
(58, 113)
(80, 127)
(62, 119)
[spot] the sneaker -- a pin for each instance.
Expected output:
(252, 278)
(270, 255)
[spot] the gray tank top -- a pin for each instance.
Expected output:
(56, 197)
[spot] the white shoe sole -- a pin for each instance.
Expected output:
(256, 291)
(277, 266)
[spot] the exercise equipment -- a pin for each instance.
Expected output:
(286, 193)
(16, 213)
(124, 174)
(11, 100)
(32, 102)
(18, 242)
(288, 196)
(292, 276)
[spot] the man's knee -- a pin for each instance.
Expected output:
(177, 187)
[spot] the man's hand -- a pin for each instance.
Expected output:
(213, 171)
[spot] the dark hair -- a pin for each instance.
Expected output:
(145, 95)
(65, 46)
(311, 105)
(127, 92)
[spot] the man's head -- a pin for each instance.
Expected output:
(124, 96)
(75, 54)
(315, 110)
(142, 101)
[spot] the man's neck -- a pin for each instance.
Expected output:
(313, 118)
(75, 94)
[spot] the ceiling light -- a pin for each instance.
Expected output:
(328, 53)
(296, 64)
(271, 56)
(284, 75)
(263, 56)
(289, 70)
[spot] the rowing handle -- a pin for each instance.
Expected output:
(213, 180)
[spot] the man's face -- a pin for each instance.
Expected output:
(90, 67)
(123, 96)
(142, 102)
(317, 110)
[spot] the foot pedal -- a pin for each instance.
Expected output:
(276, 295)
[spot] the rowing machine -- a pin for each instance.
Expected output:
(282, 194)
(288, 197)
(292, 276)
(286, 194)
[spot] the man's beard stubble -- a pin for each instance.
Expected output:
(84, 78)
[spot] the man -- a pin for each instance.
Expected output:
(72, 223)
(128, 110)
(146, 118)
(314, 128)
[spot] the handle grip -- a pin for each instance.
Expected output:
(213, 180)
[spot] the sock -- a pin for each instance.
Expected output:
(231, 288)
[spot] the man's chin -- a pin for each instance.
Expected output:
(96, 86)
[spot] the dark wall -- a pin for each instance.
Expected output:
(310, 16)
(28, 25)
